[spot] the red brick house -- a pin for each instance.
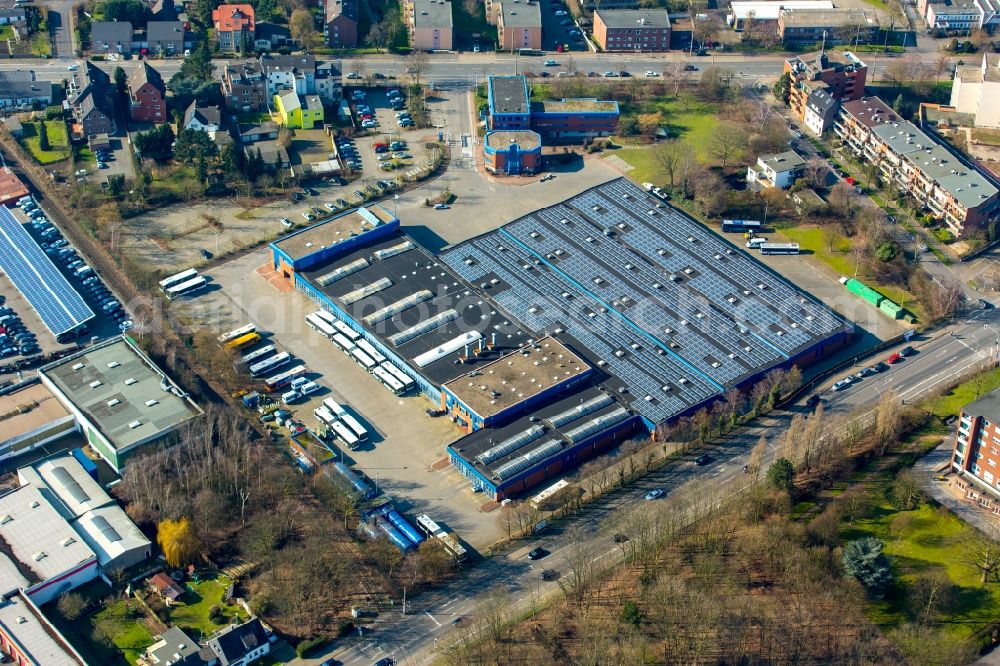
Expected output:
(147, 94)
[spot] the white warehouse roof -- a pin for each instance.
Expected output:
(111, 533)
(65, 478)
(770, 11)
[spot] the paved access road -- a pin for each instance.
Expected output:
(428, 623)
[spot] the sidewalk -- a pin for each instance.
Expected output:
(935, 463)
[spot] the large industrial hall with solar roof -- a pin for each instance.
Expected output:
(564, 332)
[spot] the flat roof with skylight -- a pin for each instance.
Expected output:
(333, 231)
(122, 392)
(495, 386)
(670, 309)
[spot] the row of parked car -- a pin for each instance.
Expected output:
(882, 366)
(80, 273)
(15, 338)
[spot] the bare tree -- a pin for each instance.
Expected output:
(416, 64)
(982, 552)
(888, 420)
(579, 557)
(669, 156)
(727, 142)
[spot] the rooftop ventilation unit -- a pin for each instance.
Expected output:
(113, 402)
(130, 381)
(78, 366)
(95, 383)
(114, 364)
(151, 402)
(134, 424)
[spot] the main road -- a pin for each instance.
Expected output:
(430, 620)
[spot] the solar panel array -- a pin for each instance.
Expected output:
(672, 309)
(58, 305)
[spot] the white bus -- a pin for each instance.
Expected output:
(187, 287)
(345, 435)
(363, 359)
(346, 331)
(388, 380)
(779, 248)
(317, 324)
(183, 276)
(352, 424)
(262, 368)
(343, 343)
(401, 376)
(449, 541)
(272, 384)
(324, 416)
(369, 349)
(236, 333)
(332, 406)
(258, 355)
(327, 317)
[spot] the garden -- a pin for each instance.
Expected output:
(46, 140)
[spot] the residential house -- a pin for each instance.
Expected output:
(430, 24)
(93, 102)
(329, 82)
(147, 94)
(240, 644)
(165, 38)
(234, 27)
(756, 15)
(111, 37)
(975, 90)
(289, 72)
(13, 16)
(942, 182)
(779, 170)
(251, 133)
(25, 94)
(299, 111)
(206, 119)
(175, 648)
(268, 36)
(519, 25)
(835, 26)
(841, 73)
(244, 89)
(976, 452)
(632, 29)
(166, 587)
(272, 154)
(821, 110)
(340, 29)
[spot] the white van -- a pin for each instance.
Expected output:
(308, 387)
(299, 381)
(290, 397)
(756, 241)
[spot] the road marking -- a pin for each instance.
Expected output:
(432, 618)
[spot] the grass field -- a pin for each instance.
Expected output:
(117, 634)
(950, 403)
(58, 141)
(191, 613)
(686, 118)
(925, 543)
(812, 239)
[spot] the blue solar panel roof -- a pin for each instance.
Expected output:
(58, 305)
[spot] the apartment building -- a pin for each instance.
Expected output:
(764, 14)
(836, 26)
(147, 95)
(976, 454)
(632, 30)
(841, 73)
(340, 27)
(821, 111)
(519, 25)
(947, 187)
(430, 24)
(962, 17)
(244, 88)
(975, 90)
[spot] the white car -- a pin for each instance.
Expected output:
(651, 73)
(73, 67)
(648, 186)
(561, 12)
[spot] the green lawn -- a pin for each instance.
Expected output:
(58, 141)
(928, 541)
(813, 240)
(115, 635)
(85, 157)
(685, 117)
(952, 402)
(191, 613)
(6, 32)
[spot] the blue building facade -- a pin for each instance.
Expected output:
(509, 103)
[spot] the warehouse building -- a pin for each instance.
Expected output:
(29, 639)
(121, 400)
(611, 302)
(30, 417)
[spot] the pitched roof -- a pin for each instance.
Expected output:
(229, 18)
(206, 115)
(290, 101)
(275, 63)
(146, 74)
(165, 585)
(25, 89)
(236, 641)
(345, 8)
(96, 92)
(110, 33)
(164, 31)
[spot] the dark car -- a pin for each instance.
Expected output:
(813, 400)
(550, 574)
(206, 254)
(296, 196)
(537, 553)
(985, 304)
(881, 366)
(703, 459)
(311, 192)
(385, 661)
(690, 68)
(907, 351)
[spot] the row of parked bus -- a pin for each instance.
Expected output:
(750, 230)
(347, 428)
(182, 284)
(363, 352)
(268, 364)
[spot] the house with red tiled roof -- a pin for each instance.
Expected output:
(234, 27)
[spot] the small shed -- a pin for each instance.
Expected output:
(166, 587)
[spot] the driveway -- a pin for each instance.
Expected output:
(61, 27)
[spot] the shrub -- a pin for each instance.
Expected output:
(781, 474)
(309, 645)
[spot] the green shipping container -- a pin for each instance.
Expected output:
(863, 291)
(891, 309)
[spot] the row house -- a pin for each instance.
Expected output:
(950, 189)
(244, 89)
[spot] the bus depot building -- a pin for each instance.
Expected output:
(567, 331)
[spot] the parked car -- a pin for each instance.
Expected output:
(907, 351)
(537, 553)
(703, 460)
(286, 223)
(895, 358)
(656, 493)
(441, 206)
